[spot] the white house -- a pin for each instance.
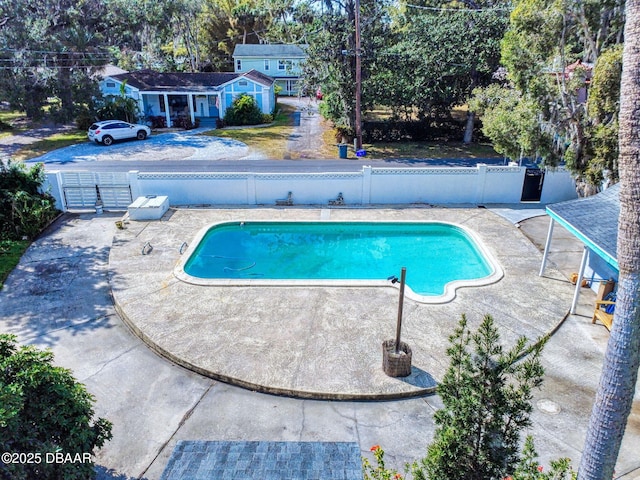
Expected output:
(175, 97)
(281, 62)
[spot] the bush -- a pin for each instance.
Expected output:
(47, 412)
(84, 119)
(427, 130)
(24, 210)
(243, 111)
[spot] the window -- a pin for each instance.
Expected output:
(243, 83)
(285, 65)
(266, 65)
(111, 84)
(162, 105)
(238, 65)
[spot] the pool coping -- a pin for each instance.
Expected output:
(497, 273)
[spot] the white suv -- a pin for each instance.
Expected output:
(109, 130)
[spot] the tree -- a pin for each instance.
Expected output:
(549, 52)
(24, 209)
(331, 60)
(486, 393)
(49, 48)
(118, 107)
(617, 384)
(44, 410)
(511, 122)
(445, 53)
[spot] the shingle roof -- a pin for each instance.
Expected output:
(594, 220)
(200, 460)
(259, 77)
(270, 51)
(180, 81)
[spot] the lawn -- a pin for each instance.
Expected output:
(406, 150)
(52, 142)
(10, 253)
(270, 140)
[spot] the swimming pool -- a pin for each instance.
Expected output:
(439, 257)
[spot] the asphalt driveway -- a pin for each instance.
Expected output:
(181, 145)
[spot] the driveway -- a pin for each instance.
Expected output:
(181, 145)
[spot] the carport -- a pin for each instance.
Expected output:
(593, 221)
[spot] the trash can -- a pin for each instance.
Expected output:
(342, 150)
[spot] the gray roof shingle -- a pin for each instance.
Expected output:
(180, 81)
(594, 218)
(200, 460)
(270, 51)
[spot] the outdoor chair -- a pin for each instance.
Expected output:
(604, 310)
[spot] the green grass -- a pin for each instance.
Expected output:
(10, 253)
(50, 143)
(429, 150)
(270, 140)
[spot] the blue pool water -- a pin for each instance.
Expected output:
(434, 254)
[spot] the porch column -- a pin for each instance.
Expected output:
(167, 114)
(140, 100)
(191, 112)
(546, 246)
(576, 294)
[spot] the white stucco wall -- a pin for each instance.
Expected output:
(471, 185)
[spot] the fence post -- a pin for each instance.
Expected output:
(480, 186)
(134, 184)
(53, 186)
(251, 189)
(366, 184)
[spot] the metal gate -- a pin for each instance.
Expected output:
(532, 187)
(84, 189)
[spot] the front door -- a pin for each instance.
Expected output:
(202, 107)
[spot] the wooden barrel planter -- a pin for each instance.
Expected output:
(396, 364)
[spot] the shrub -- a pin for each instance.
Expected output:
(24, 210)
(487, 395)
(84, 119)
(47, 412)
(243, 111)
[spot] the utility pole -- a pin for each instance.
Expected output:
(358, 120)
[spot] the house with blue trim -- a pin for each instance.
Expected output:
(281, 62)
(175, 97)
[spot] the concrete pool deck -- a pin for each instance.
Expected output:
(320, 342)
(59, 297)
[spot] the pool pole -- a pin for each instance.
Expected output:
(403, 276)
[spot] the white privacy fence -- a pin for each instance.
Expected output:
(459, 185)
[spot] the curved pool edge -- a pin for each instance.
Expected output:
(303, 394)
(450, 288)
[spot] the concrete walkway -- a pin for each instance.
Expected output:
(306, 140)
(59, 297)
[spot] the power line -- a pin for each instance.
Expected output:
(465, 10)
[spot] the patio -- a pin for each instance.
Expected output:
(320, 342)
